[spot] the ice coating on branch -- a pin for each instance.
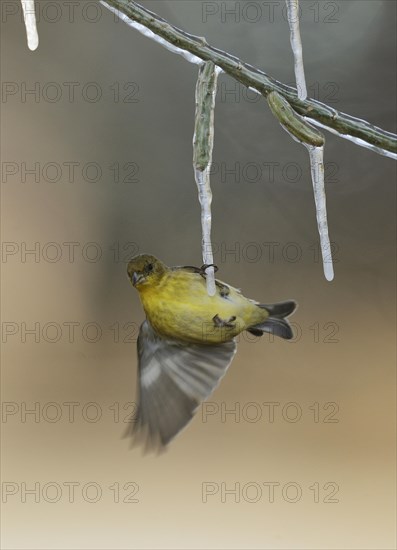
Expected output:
(29, 16)
(317, 170)
(150, 34)
(353, 139)
(296, 45)
(202, 178)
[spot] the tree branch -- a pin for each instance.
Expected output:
(361, 132)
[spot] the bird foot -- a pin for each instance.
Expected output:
(218, 322)
(204, 267)
(223, 289)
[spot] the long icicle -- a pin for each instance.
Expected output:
(29, 16)
(314, 141)
(203, 142)
(296, 45)
(316, 155)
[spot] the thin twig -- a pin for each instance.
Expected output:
(359, 131)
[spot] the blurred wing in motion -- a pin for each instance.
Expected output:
(174, 379)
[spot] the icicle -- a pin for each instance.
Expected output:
(296, 45)
(150, 34)
(29, 16)
(205, 198)
(313, 140)
(316, 155)
(203, 141)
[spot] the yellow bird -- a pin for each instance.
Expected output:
(188, 341)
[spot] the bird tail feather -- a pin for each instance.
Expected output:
(276, 323)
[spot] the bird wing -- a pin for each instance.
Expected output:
(173, 379)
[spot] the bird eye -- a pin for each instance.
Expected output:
(149, 267)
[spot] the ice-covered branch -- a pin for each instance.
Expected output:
(296, 45)
(359, 131)
(292, 122)
(203, 142)
(314, 141)
(29, 16)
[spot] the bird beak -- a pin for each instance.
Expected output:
(136, 277)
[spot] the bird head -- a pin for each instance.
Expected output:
(145, 270)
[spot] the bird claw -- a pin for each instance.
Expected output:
(218, 322)
(200, 270)
(223, 289)
(204, 267)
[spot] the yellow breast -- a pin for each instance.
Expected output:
(179, 307)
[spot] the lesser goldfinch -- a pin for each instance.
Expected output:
(187, 341)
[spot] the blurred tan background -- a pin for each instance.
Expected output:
(108, 134)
